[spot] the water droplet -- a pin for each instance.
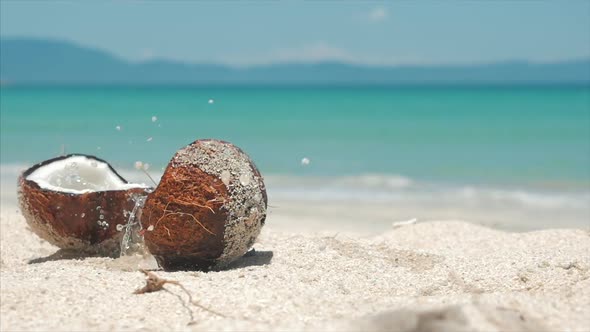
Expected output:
(73, 178)
(149, 139)
(305, 161)
(118, 128)
(154, 118)
(99, 207)
(83, 215)
(101, 217)
(58, 207)
(225, 177)
(211, 101)
(146, 166)
(98, 147)
(245, 179)
(120, 227)
(151, 228)
(72, 166)
(138, 165)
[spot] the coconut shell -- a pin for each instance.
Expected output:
(85, 222)
(208, 208)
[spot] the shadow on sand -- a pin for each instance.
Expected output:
(251, 258)
(62, 254)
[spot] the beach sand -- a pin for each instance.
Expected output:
(428, 276)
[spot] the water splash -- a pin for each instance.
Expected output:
(132, 241)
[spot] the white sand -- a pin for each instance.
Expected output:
(435, 276)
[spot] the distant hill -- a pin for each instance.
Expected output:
(36, 61)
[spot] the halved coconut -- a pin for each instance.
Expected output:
(77, 201)
(207, 210)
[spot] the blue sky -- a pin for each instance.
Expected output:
(247, 33)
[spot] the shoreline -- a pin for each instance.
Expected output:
(371, 204)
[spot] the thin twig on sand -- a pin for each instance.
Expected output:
(154, 283)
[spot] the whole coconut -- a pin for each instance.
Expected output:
(76, 202)
(207, 210)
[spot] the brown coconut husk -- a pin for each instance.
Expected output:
(193, 220)
(187, 218)
(70, 221)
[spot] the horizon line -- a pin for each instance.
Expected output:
(279, 85)
(258, 64)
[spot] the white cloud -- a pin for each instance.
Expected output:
(378, 14)
(307, 53)
(321, 52)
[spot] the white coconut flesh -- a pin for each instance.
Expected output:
(79, 175)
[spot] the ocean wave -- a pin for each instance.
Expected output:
(405, 190)
(544, 200)
(366, 181)
(492, 198)
(529, 198)
(381, 188)
(377, 181)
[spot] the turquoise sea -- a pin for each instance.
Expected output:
(378, 141)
